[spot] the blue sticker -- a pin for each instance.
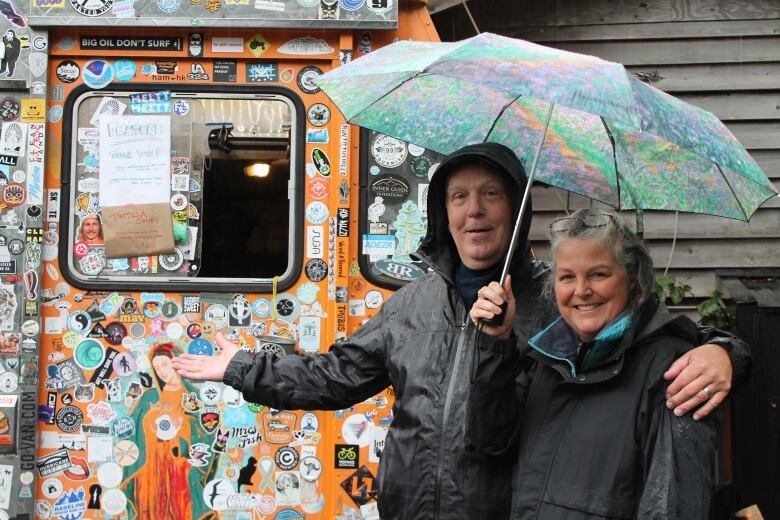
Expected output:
(55, 113)
(200, 346)
(169, 6)
(97, 73)
(124, 70)
(374, 170)
(316, 135)
(261, 72)
(351, 5)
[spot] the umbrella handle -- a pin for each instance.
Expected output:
(516, 232)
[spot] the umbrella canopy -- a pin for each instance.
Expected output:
(590, 125)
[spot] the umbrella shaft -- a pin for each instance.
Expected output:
(526, 195)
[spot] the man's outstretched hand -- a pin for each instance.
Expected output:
(206, 368)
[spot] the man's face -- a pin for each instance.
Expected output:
(479, 216)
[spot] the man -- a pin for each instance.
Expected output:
(422, 343)
(12, 46)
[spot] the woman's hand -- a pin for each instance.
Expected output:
(488, 304)
(206, 368)
(702, 378)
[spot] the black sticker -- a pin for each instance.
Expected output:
(306, 77)
(68, 71)
(286, 458)
(397, 270)
(9, 109)
(392, 188)
(225, 71)
(195, 45)
(316, 270)
(360, 486)
(135, 43)
(347, 456)
(321, 162)
(91, 8)
(69, 418)
(342, 222)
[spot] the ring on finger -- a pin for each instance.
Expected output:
(709, 392)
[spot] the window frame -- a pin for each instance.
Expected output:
(296, 193)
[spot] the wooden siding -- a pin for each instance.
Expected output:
(723, 56)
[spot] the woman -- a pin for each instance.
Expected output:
(586, 411)
(90, 230)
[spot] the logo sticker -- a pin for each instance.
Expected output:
(68, 71)
(392, 188)
(316, 270)
(318, 114)
(98, 73)
(91, 7)
(306, 77)
(321, 162)
(347, 456)
(261, 72)
(388, 151)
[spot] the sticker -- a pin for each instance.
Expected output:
(305, 45)
(69, 418)
(257, 45)
(311, 468)
(315, 242)
(316, 270)
(321, 162)
(181, 107)
(68, 71)
(286, 75)
(227, 44)
(178, 202)
(279, 427)
(89, 354)
(261, 72)
(124, 70)
(287, 307)
(399, 271)
(374, 299)
(92, 263)
(169, 6)
(172, 261)
(9, 109)
(286, 458)
(420, 166)
(318, 114)
(392, 188)
(109, 474)
(218, 314)
(113, 501)
(415, 150)
(379, 7)
(318, 188)
(317, 212)
(225, 71)
(124, 364)
(347, 456)
(194, 44)
(388, 151)
(317, 135)
(306, 77)
(91, 7)
(351, 5)
(97, 73)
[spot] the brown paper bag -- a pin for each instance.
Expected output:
(137, 229)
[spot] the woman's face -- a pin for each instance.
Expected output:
(591, 287)
(162, 365)
(90, 228)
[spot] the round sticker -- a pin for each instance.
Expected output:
(9, 109)
(68, 71)
(14, 194)
(178, 202)
(55, 113)
(316, 269)
(388, 151)
(261, 307)
(109, 474)
(317, 212)
(80, 249)
(124, 364)
(287, 307)
(92, 263)
(172, 261)
(351, 5)
(415, 150)
(69, 418)
(318, 114)
(311, 469)
(174, 330)
(307, 293)
(16, 247)
(286, 75)
(357, 430)
(170, 309)
(200, 346)
(194, 331)
(91, 7)
(318, 188)
(113, 502)
(218, 314)
(52, 487)
(210, 393)
(116, 333)
(306, 77)
(419, 166)
(374, 299)
(79, 322)
(181, 107)
(126, 452)
(309, 423)
(9, 382)
(124, 70)
(97, 73)
(137, 330)
(89, 354)
(286, 457)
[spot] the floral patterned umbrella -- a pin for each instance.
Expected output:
(588, 124)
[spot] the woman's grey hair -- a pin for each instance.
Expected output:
(607, 228)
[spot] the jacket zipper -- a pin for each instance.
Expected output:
(447, 404)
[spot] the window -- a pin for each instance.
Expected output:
(394, 183)
(227, 189)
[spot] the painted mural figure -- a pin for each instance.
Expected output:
(423, 344)
(10, 49)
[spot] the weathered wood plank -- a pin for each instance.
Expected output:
(659, 225)
(677, 52)
(634, 31)
(714, 77)
(739, 105)
(573, 12)
(756, 136)
(708, 254)
(769, 161)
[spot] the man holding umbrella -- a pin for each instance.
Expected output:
(422, 343)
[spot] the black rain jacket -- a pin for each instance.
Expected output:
(600, 443)
(422, 343)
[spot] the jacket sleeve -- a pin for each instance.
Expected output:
(497, 396)
(678, 462)
(348, 373)
(739, 352)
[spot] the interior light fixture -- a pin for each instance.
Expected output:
(259, 169)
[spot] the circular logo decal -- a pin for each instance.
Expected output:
(351, 5)
(14, 194)
(318, 114)
(98, 73)
(286, 458)
(169, 6)
(126, 452)
(124, 70)
(89, 354)
(16, 247)
(173, 261)
(116, 333)
(201, 347)
(55, 113)
(69, 419)
(68, 72)
(374, 299)
(419, 166)
(316, 269)
(311, 469)
(91, 7)
(388, 151)
(9, 109)
(316, 212)
(306, 77)
(318, 188)
(261, 307)
(218, 314)
(287, 307)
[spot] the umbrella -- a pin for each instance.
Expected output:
(590, 126)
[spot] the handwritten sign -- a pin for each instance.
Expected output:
(135, 159)
(142, 229)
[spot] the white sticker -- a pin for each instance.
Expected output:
(388, 151)
(357, 307)
(378, 245)
(309, 330)
(6, 483)
(315, 242)
(305, 45)
(227, 44)
(357, 430)
(422, 199)
(374, 299)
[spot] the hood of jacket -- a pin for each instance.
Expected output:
(438, 249)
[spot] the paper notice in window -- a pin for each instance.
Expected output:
(135, 159)
(138, 229)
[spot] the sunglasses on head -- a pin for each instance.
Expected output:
(595, 218)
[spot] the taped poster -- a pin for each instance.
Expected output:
(135, 188)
